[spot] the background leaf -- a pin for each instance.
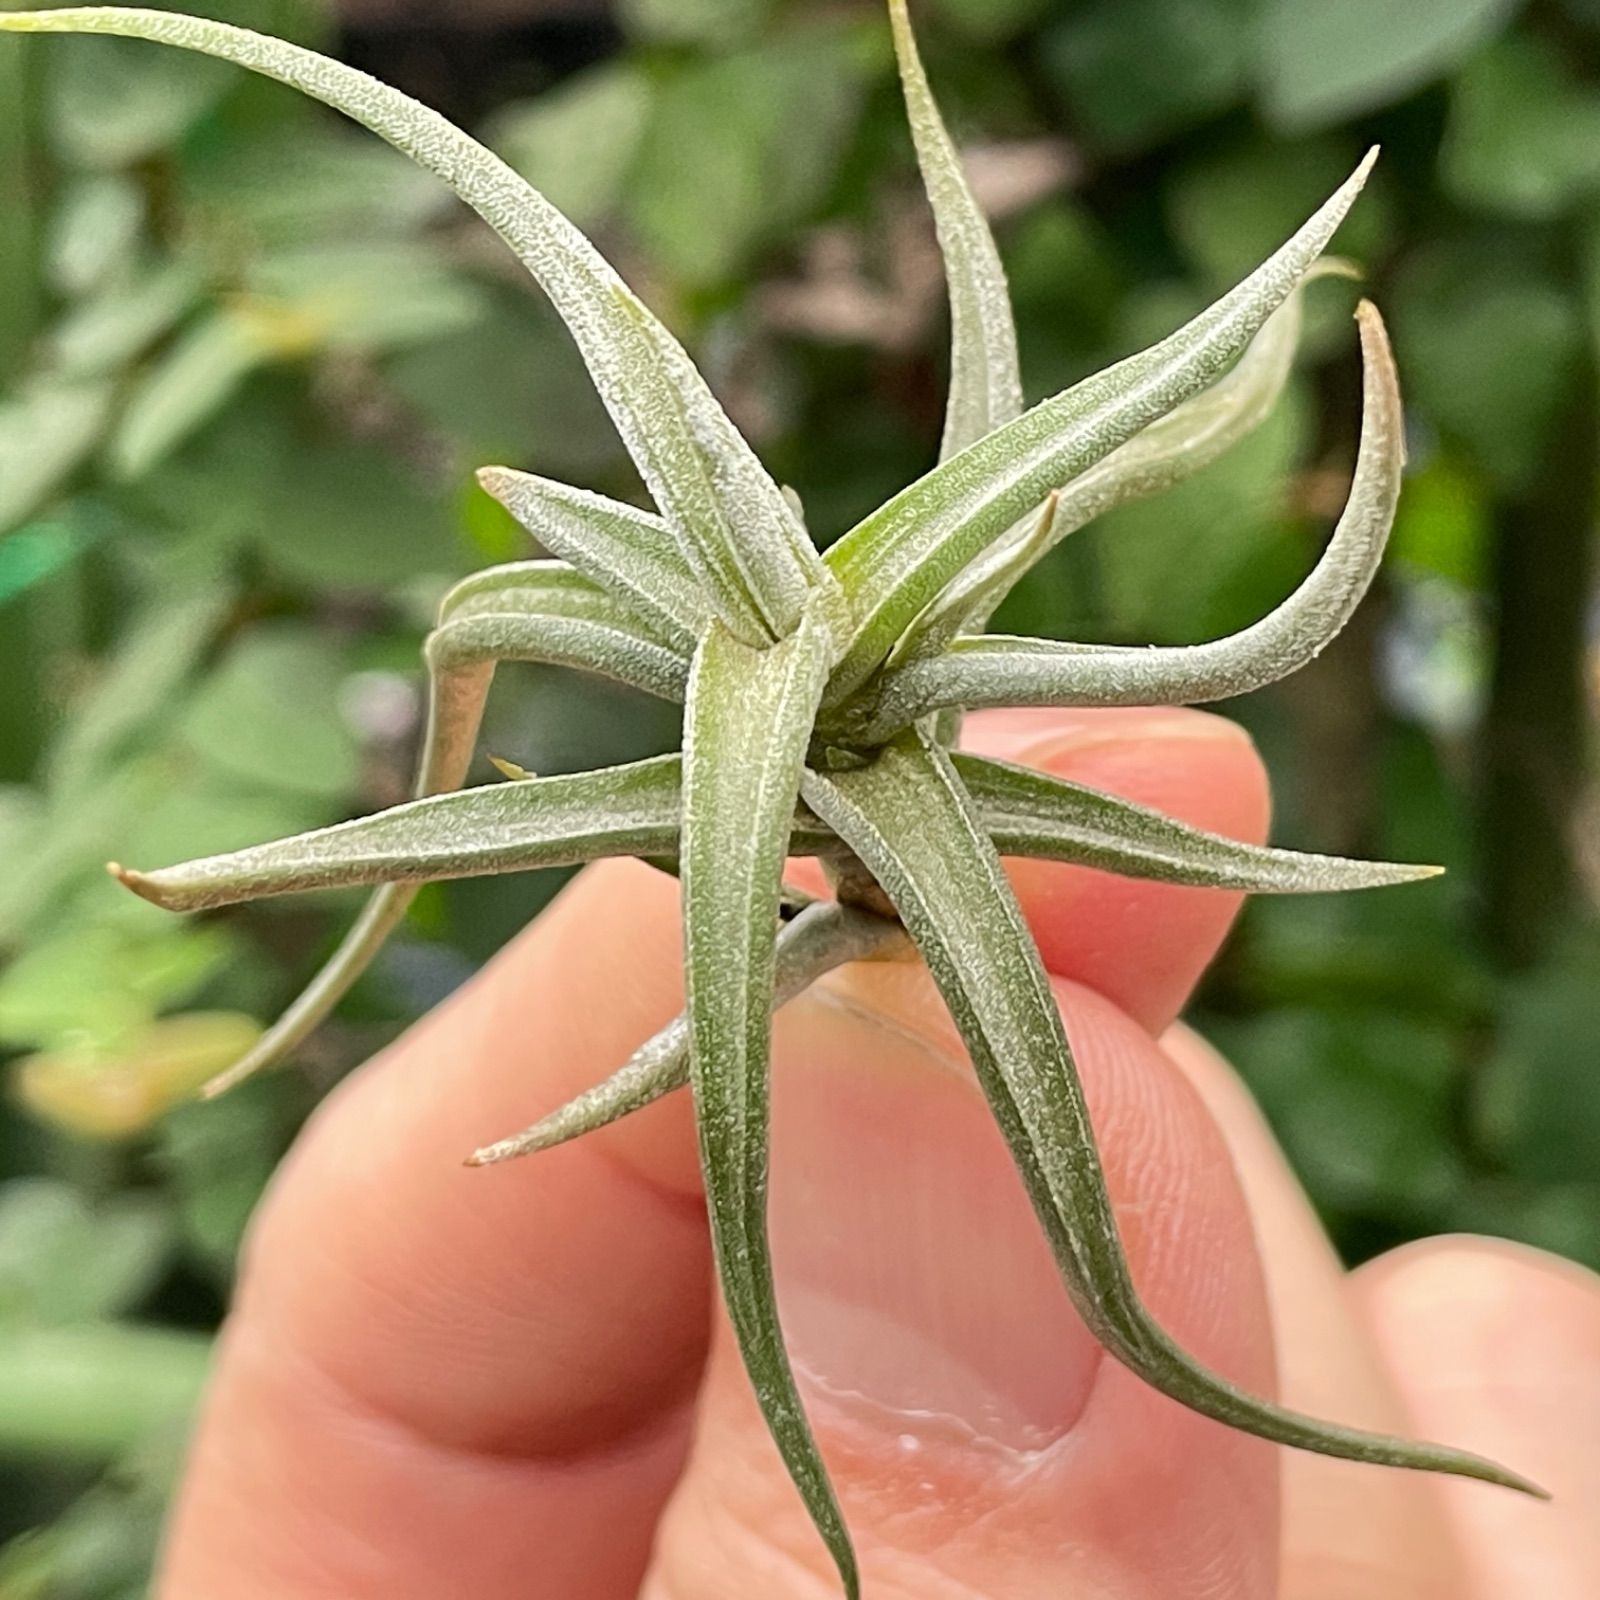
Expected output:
(579, 142)
(703, 207)
(269, 718)
(1133, 71)
(1322, 62)
(1491, 341)
(46, 430)
(113, 102)
(696, 21)
(62, 1261)
(1524, 136)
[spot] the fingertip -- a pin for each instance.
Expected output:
(1495, 1347)
(1485, 1307)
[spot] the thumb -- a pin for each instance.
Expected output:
(980, 1441)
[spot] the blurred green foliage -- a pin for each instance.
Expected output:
(251, 358)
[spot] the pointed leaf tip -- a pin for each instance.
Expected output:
(1028, 813)
(985, 374)
(995, 671)
(821, 936)
(897, 560)
(138, 882)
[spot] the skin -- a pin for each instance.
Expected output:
(439, 1382)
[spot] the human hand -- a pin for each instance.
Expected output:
(439, 1382)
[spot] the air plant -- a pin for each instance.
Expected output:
(823, 694)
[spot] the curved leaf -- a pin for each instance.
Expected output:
(985, 379)
(897, 560)
(531, 610)
(735, 528)
(548, 587)
(969, 602)
(545, 611)
(605, 643)
(910, 821)
(1164, 454)
(996, 670)
(630, 553)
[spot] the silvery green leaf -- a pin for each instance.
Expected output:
(735, 528)
(748, 720)
(608, 644)
(629, 552)
(899, 559)
(523, 611)
(550, 586)
(1164, 454)
(985, 380)
(507, 827)
(741, 490)
(823, 936)
(530, 611)
(455, 710)
(797, 509)
(1028, 813)
(456, 697)
(996, 670)
(912, 823)
(545, 611)
(970, 600)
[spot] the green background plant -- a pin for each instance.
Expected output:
(251, 357)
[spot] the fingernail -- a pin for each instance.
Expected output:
(916, 1290)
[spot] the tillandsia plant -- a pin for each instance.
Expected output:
(823, 695)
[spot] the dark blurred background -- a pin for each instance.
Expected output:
(249, 358)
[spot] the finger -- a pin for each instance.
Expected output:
(1139, 943)
(1348, 1529)
(1497, 1347)
(463, 1404)
(981, 1442)
(438, 1381)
